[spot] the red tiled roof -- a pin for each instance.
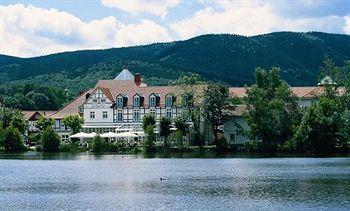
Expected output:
(71, 108)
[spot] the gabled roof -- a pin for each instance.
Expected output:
(72, 107)
(125, 74)
(107, 92)
(30, 115)
(326, 81)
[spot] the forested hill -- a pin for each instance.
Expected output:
(228, 58)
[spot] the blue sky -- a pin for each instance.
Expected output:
(40, 27)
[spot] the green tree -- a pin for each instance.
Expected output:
(2, 136)
(44, 122)
(8, 114)
(19, 122)
(13, 140)
(74, 122)
(164, 129)
(148, 120)
(50, 140)
(181, 128)
(215, 105)
(191, 88)
(149, 142)
(273, 112)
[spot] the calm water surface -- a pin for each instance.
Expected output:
(120, 182)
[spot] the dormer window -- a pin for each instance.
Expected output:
(136, 101)
(120, 102)
(154, 100)
(169, 100)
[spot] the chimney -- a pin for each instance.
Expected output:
(137, 79)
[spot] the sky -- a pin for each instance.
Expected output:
(39, 27)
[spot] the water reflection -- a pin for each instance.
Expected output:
(96, 182)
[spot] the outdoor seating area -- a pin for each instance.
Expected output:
(127, 137)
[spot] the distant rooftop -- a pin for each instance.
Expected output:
(125, 75)
(326, 81)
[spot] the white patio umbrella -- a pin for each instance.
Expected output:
(91, 135)
(110, 135)
(80, 135)
(127, 135)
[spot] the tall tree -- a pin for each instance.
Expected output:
(181, 127)
(164, 129)
(74, 122)
(215, 105)
(273, 111)
(191, 88)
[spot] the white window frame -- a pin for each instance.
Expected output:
(169, 113)
(120, 115)
(167, 99)
(120, 102)
(136, 118)
(152, 101)
(104, 114)
(92, 115)
(137, 101)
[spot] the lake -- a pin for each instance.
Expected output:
(124, 182)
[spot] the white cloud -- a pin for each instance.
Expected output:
(347, 25)
(31, 31)
(155, 7)
(251, 18)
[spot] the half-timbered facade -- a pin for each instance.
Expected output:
(122, 103)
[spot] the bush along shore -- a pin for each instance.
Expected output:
(277, 123)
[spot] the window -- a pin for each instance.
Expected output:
(120, 115)
(103, 100)
(169, 101)
(92, 114)
(65, 138)
(81, 109)
(137, 101)
(136, 115)
(169, 113)
(94, 100)
(152, 111)
(104, 115)
(152, 101)
(120, 102)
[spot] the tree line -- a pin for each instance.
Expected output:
(276, 120)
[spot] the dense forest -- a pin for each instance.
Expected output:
(227, 58)
(32, 97)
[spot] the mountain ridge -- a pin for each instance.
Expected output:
(221, 57)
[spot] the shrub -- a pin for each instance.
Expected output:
(50, 140)
(12, 140)
(99, 144)
(71, 147)
(222, 144)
